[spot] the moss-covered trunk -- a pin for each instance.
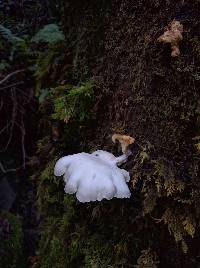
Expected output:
(144, 92)
(111, 75)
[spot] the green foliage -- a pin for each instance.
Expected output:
(75, 235)
(4, 65)
(70, 243)
(11, 241)
(50, 34)
(17, 46)
(74, 102)
(179, 224)
(153, 98)
(47, 66)
(49, 195)
(159, 183)
(157, 102)
(8, 35)
(97, 253)
(43, 66)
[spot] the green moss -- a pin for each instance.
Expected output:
(11, 241)
(152, 97)
(73, 102)
(49, 192)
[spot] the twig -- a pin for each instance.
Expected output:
(157, 220)
(28, 163)
(12, 119)
(12, 85)
(22, 140)
(8, 170)
(4, 128)
(10, 75)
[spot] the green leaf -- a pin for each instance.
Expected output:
(49, 34)
(8, 35)
(43, 95)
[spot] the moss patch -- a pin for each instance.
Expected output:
(11, 241)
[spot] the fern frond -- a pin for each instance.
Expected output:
(76, 102)
(8, 35)
(50, 34)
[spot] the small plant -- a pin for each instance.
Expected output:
(73, 102)
(50, 34)
(17, 45)
(8, 35)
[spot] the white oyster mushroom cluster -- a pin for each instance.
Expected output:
(94, 176)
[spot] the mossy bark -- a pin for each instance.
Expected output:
(145, 93)
(11, 241)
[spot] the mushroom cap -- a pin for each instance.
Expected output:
(124, 140)
(93, 177)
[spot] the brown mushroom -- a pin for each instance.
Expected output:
(173, 35)
(124, 140)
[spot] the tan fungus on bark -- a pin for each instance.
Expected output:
(173, 35)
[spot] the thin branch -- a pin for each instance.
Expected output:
(12, 85)
(22, 128)
(4, 128)
(31, 162)
(12, 119)
(23, 93)
(10, 75)
(8, 170)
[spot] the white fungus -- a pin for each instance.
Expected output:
(94, 176)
